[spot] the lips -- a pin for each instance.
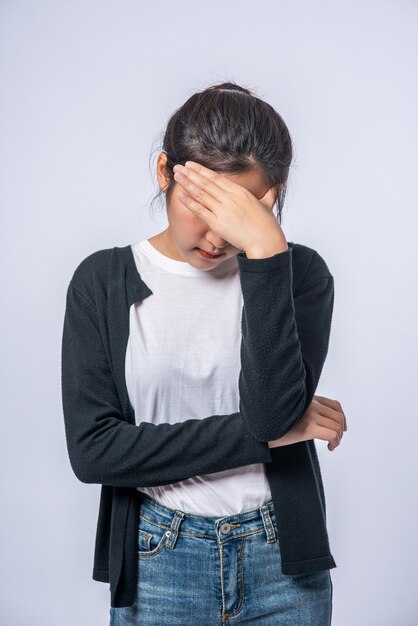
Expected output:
(209, 255)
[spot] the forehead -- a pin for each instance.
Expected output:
(252, 180)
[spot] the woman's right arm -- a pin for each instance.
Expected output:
(105, 449)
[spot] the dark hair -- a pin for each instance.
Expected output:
(228, 129)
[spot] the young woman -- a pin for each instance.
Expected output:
(189, 366)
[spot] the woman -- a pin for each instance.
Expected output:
(189, 366)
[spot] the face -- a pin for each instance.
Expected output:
(187, 233)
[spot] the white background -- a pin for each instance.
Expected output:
(87, 88)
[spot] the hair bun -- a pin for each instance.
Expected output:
(231, 87)
(234, 88)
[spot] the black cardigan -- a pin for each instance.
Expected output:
(286, 319)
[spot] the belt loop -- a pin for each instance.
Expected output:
(268, 524)
(172, 534)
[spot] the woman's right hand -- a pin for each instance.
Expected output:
(323, 419)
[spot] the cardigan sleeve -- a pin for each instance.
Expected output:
(285, 337)
(104, 448)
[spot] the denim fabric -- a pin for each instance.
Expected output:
(207, 571)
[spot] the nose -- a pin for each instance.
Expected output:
(216, 241)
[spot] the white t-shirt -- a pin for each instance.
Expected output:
(183, 361)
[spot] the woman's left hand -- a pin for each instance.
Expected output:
(230, 209)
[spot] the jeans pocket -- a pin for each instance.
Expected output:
(151, 538)
(318, 584)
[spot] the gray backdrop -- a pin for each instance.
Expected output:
(87, 88)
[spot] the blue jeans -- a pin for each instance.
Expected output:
(196, 569)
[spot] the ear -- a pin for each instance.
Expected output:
(163, 180)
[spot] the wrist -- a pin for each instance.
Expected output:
(282, 441)
(266, 244)
(265, 250)
(289, 438)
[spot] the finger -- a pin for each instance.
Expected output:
(198, 209)
(215, 177)
(198, 188)
(328, 433)
(330, 413)
(330, 424)
(333, 404)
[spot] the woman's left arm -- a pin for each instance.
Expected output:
(284, 343)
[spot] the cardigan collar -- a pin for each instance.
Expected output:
(136, 288)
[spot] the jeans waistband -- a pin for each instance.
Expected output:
(215, 527)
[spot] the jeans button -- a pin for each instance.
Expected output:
(225, 527)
